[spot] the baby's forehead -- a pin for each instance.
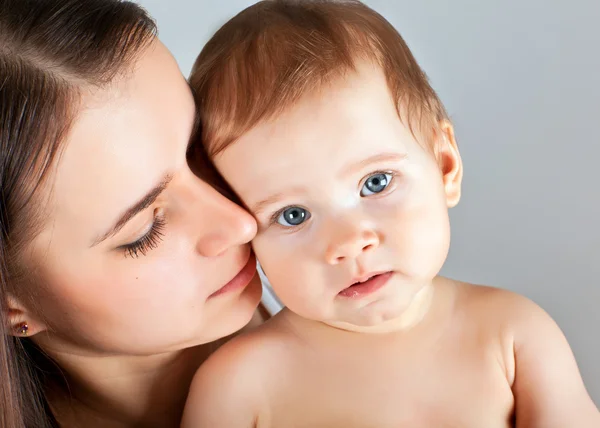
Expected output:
(350, 97)
(314, 144)
(319, 137)
(341, 84)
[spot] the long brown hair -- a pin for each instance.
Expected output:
(49, 51)
(271, 54)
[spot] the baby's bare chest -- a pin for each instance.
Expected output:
(438, 387)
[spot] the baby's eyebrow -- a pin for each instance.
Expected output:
(273, 199)
(378, 158)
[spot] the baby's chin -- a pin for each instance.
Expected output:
(384, 316)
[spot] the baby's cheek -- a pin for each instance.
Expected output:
(261, 248)
(271, 260)
(429, 236)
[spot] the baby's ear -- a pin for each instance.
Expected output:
(448, 158)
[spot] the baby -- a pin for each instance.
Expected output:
(319, 119)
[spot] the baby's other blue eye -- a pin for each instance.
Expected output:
(293, 216)
(376, 183)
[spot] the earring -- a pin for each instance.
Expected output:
(22, 329)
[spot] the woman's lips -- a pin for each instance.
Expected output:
(241, 280)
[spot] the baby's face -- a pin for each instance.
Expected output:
(343, 192)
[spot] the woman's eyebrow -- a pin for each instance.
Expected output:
(144, 202)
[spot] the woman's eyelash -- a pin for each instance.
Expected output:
(147, 242)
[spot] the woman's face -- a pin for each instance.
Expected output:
(136, 250)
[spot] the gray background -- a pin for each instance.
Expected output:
(521, 80)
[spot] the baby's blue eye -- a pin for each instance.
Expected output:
(376, 183)
(293, 216)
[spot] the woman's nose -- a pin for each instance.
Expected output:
(227, 225)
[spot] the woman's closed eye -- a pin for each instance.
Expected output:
(149, 241)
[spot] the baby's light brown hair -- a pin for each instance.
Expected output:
(271, 54)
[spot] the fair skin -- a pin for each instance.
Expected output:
(342, 190)
(125, 322)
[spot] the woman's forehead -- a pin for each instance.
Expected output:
(125, 138)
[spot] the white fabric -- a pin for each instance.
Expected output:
(269, 300)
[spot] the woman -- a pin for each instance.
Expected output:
(117, 262)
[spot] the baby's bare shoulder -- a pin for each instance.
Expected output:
(252, 353)
(549, 390)
(493, 304)
(501, 313)
(239, 375)
(498, 318)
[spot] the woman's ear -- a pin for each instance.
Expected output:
(22, 322)
(450, 163)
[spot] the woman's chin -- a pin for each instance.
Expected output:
(249, 300)
(241, 310)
